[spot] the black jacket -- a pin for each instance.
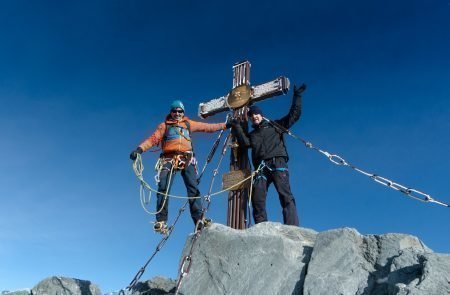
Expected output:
(266, 140)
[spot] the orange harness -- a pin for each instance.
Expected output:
(178, 160)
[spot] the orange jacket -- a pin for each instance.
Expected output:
(174, 136)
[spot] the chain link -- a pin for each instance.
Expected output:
(158, 248)
(183, 272)
(338, 160)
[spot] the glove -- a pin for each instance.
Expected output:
(231, 122)
(134, 153)
(299, 90)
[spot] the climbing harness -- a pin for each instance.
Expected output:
(177, 162)
(336, 159)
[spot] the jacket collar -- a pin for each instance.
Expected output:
(171, 121)
(263, 124)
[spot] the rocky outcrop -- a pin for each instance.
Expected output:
(270, 258)
(345, 262)
(65, 286)
(261, 260)
(19, 292)
(155, 286)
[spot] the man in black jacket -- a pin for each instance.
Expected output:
(267, 144)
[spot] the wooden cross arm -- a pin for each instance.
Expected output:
(273, 88)
(260, 92)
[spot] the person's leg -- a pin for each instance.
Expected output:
(259, 198)
(280, 176)
(190, 181)
(162, 202)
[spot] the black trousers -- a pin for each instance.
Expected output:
(190, 181)
(277, 173)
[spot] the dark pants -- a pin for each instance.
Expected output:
(190, 181)
(276, 172)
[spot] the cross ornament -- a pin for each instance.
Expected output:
(238, 99)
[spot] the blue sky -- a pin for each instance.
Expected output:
(82, 83)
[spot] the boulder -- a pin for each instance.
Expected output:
(155, 286)
(268, 258)
(65, 286)
(271, 258)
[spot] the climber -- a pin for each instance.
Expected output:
(268, 150)
(174, 135)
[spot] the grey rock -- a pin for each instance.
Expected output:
(20, 292)
(155, 286)
(65, 286)
(268, 258)
(345, 262)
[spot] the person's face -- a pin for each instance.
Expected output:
(177, 114)
(256, 119)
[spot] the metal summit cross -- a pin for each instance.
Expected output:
(238, 99)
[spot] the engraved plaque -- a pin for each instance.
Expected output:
(239, 97)
(230, 179)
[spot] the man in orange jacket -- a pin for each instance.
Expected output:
(174, 135)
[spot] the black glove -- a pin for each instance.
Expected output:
(232, 122)
(299, 90)
(134, 153)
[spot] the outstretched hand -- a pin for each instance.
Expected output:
(299, 89)
(134, 153)
(232, 122)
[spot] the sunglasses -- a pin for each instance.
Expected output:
(177, 111)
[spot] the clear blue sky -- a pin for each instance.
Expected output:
(82, 83)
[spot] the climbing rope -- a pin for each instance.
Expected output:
(336, 159)
(139, 167)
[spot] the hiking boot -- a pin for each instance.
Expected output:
(160, 227)
(207, 222)
(201, 224)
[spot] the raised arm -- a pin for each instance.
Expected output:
(296, 108)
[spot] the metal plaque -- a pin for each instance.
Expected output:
(239, 96)
(230, 179)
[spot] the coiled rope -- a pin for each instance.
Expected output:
(138, 168)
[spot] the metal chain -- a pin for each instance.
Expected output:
(158, 248)
(336, 159)
(213, 150)
(186, 263)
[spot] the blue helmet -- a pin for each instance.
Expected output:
(177, 104)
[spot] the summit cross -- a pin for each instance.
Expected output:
(241, 96)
